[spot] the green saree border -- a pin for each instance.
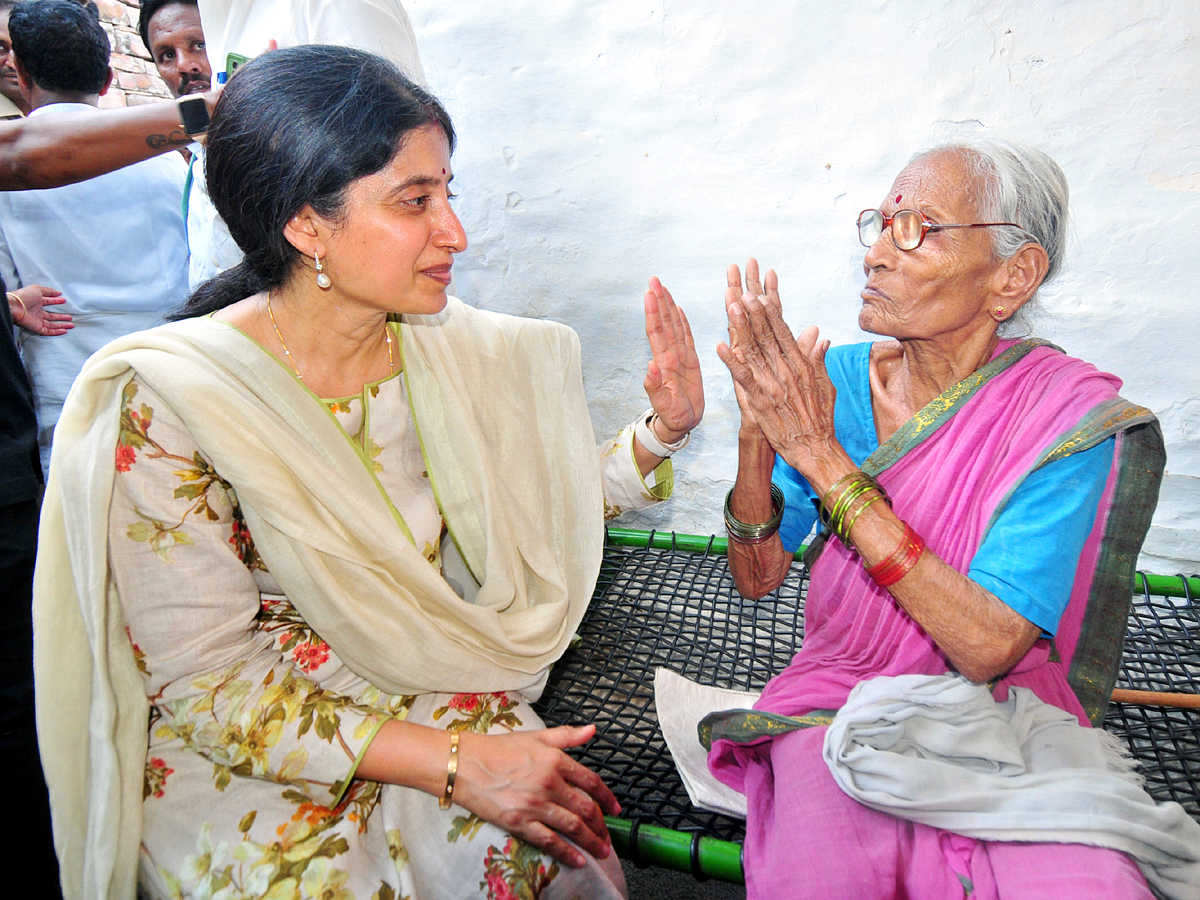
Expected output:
(936, 413)
(1097, 656)
(745, 726)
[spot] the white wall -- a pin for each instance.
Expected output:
(601, 143)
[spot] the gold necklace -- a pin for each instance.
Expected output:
(387, 333)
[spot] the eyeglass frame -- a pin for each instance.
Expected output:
(926, 227)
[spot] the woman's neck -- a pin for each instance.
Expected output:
(335, 348)
(906, 375)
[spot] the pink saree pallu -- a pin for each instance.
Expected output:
(949, 471)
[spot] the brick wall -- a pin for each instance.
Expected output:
(135, 80)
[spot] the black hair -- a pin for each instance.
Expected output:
(294, 128)
(149, 9)
(61, 44)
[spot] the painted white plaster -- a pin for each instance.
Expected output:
(601, 143)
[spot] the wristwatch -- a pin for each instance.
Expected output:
(193, 113)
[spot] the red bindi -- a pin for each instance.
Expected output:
(443, 171)
(898, 196)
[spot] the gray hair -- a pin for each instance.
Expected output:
(1018, 184)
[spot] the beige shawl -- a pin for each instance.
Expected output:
(500, 409)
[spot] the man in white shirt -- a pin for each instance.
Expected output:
(114, 245)
(173, 34)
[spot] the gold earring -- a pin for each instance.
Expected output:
(999, 312)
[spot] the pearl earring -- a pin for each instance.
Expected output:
(324, 282)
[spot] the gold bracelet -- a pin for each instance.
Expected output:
(862, 509)
(24, 308)
(451, 772)
(852, 475)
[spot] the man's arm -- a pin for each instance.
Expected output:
(50, 151)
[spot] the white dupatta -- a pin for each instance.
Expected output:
(500, 407)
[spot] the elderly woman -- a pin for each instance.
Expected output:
(330, 538)
(966, 479)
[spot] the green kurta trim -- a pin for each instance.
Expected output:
(433, 484)
(664, 480)
(358, 450)
(664, 476)
(345, 782)
(746, 726)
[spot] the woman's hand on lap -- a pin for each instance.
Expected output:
(673, 381)
(527, 785)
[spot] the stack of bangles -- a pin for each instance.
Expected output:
(745, 533)
(900, 563)
(836, 512)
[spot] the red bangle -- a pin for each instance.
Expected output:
(900, 563)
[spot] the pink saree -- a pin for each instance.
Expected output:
(949, 471)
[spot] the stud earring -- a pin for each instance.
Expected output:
(324, 282)
(998, 311)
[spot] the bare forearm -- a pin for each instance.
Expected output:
(981, 636)
(50, 151)
(757, 569)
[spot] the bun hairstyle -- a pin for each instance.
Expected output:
(294, 128)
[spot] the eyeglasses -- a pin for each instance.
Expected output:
(909, 227)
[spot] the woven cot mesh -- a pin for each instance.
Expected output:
(679, 609)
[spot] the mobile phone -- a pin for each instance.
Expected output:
(232, 62)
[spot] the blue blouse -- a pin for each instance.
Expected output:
(1027, 558)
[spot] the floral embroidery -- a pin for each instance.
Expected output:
(518, 872)
(138, 656)
(277, 616)
(198, 477)
(480, 712)
(126, 457)
(156, 777)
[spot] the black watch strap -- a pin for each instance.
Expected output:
(193, 113)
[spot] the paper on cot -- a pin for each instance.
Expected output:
(680, 704)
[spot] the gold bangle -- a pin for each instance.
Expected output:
(862, 509)
(24, 308)
(746, 533)
(825, 500)
(451, 772)
(837, 515)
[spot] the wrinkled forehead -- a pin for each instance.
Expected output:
(941, 182)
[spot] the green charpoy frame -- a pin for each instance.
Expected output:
(706, 857)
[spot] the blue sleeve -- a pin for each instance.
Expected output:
(1029, 555)
(854, 427)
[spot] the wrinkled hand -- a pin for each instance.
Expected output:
(734, 292)
(524, 783)
(781, 382)
(673, 382)
(32, 315)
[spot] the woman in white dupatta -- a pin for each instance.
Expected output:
(348, 526)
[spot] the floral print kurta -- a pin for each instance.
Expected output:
(257, 727)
